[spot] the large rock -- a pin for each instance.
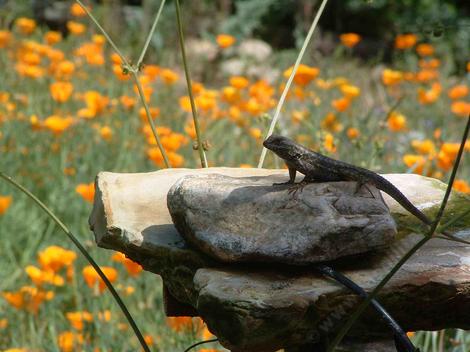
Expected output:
(263, 308)
(247, 219)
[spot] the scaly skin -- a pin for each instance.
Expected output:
(320, 168)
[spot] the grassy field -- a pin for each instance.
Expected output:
(68, 111)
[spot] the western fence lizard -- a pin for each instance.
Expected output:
(320, 168)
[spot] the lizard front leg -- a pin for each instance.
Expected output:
(291, 181)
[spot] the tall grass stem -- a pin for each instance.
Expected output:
(291, 77)
(200, 148)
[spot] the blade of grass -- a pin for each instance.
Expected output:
(202, 154)
(88, 257)
(150, 35)
(291, 77)
(355, 315)
(149, 118)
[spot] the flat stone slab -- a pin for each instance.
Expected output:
(247, 219)
(263, 308)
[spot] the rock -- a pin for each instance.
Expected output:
(281, 306)
(246, 219)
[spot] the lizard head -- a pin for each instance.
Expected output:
(284, 147)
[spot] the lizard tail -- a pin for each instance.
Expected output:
(396, 194)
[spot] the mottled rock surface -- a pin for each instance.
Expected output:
(247, 219)
(264, 308)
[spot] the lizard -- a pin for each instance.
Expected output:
(320, 168)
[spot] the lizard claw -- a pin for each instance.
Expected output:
(297, 187)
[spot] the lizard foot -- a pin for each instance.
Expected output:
(297, 187)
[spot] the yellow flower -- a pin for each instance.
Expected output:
(350, 39)
(87, 191)
(180, 324)
(132, 267)
(152, 71)
(391, 77)
(61, 91)
(5, 202)
(28, 297)
(239, 82)
(424, 49)
(77, 319)
(154, 154)
(95, 104)
(304, 75)
(69, 341)
(92, 278)
(353, 133)
(424, 147)
(52, 37)
(396, 122)
(25, 25)
(458, 91)
(169, 76)
(106, 132)
(350, 91)
(230, 94)
(330, 123)
(225, 40)
(405, 41)
(460, 108)
(40, 277)
(77, 11)
(329, 143)
(341, 104)
(429, 96)
(64, 69)
(76, 28)
(461, 186)
(429, 64)
(415, 162)
(57, 124)
(426, 75)
(127, 102)
(120, 73)
(5, 39)
(255, 133)
(54, 258)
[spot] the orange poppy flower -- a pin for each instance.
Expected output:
(460, 108)
(92, 278)
(5, 202)
(87, 191)
(405, 41)
(132, 267)
(5, 39)
(54, 258)
(304, 75)
(425, 49)
(396, 122)
(76, 28)
(25, 25)
(350, 39)
(391, 77)
(458, 91)
(461, 186)
(61, 91)
(225, 40)
(57, 124)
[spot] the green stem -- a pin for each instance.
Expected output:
(355, 315)
(200, 148)
(85, 254)
(150, 35)
(149, 118)
(108, 38)
(291, 77)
